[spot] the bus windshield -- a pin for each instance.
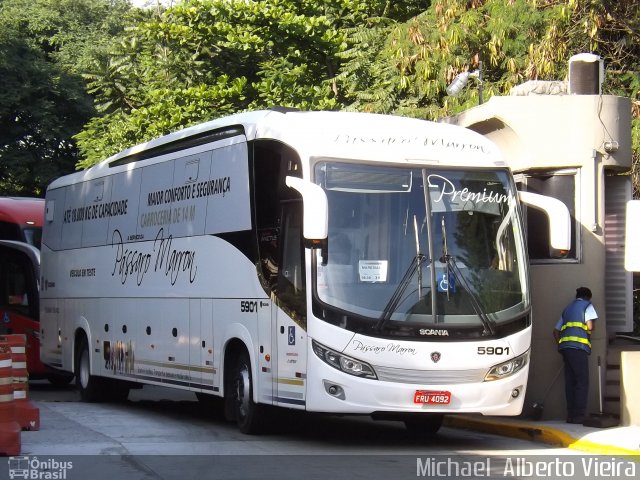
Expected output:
(415, 250)
(28, 234)
(21, 219)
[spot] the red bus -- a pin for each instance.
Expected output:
(20, 235)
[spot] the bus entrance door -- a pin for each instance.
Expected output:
(291, 311)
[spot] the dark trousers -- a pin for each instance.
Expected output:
(576, 381)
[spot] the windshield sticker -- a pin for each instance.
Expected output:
(373, 270)
(448, 189)
(446, 283)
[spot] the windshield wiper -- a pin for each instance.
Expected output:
(452, 266)
(397, 297)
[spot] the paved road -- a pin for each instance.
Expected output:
(168, 434)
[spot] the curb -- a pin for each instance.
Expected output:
(536, 433)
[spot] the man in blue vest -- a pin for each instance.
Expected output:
(573, 335)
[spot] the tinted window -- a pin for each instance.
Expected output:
(559, 186)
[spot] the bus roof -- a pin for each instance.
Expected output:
(340, 135)
(22, 210)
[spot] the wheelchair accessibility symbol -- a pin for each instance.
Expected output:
(446, 284)
(291, 337)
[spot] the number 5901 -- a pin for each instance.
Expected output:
(493, 350)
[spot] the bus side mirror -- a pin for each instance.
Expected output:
(315, 210)
(559, 221)
(632, 237)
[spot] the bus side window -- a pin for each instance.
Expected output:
(272, 162)
(14, 286)
(268, 245)
(17, 293)
(266, 177)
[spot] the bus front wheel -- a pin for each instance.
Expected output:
(89, 386)
(247, 413)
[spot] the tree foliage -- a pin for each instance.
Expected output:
(36, 115)
(404, 68)
(202, 59)
(44, 44)
(153, 71)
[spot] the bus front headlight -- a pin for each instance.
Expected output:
(342, 362)
(508, 368)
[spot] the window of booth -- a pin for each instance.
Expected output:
(559, 184)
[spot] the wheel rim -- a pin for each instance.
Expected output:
(243, 392)
(84, 369)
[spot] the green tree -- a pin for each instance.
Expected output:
(68, 32)
(44, 44)
(206, 58)
(41, 108)
(404, 68)
(416, 60)
(202, 59)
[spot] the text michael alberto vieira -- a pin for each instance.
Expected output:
(523, 467)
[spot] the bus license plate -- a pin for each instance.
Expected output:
(427, 397)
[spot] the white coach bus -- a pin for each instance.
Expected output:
(322, 261)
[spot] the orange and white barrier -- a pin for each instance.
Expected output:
(9, 428)
(27, 414)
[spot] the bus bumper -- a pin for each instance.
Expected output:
(330, 390)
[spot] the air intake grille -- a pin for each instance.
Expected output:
(429, 377)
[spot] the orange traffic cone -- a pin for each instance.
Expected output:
(9, 428)
(27, 414)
